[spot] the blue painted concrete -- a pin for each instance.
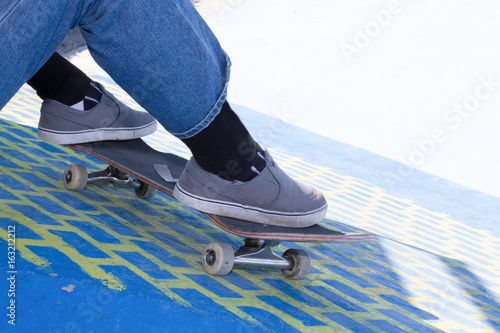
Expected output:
(105, 260)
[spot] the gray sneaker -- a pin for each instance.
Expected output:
(271, 198)
(108, 120)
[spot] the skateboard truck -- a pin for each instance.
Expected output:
(113, 176)
(256, 252)
(76, 178)
(219, 258)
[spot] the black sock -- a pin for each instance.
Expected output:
(225, 148)
(60, 80)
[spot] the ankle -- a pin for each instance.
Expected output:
(226, 149)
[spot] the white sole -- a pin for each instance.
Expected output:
(251, 214)
(103, 134)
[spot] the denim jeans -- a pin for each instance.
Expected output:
(160, 52)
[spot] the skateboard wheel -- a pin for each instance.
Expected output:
(218, 259)
(145, 191)
(75, 177)
(300, 264)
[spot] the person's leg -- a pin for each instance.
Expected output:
(227, 149)
(165, 56)
(30, 32)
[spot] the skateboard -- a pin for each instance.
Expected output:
(134, 164)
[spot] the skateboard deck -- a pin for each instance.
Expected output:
(150, 168)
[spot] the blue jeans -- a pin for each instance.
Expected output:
(160, 52)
